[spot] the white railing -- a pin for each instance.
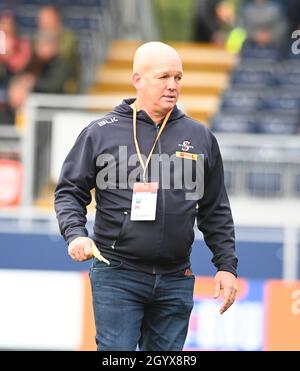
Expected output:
(280, 212)
(239, 151)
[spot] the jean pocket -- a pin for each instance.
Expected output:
(99, 265)
(184, 273)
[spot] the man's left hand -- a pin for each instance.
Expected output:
(227, 282)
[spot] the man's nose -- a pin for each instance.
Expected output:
(171, 84)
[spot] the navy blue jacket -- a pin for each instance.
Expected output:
(163, 245)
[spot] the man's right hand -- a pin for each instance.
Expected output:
(80, 249)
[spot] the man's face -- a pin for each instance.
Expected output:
(160, 85)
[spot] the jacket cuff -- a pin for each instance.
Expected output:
(228, 269)
(74, 233)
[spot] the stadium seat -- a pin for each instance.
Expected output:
(78, 23)
(251, 77)
(288, 78)
(290, 65)
(37, 2)
(240, 100)
(83, 3)
(284, 99)
(264, 183)
(277, 123)
(298, 184)
(3, 95)
(233, 123)
(250, 50)
(26, 24)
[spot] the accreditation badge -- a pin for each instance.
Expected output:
(144, 200)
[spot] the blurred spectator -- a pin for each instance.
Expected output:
(15, 58)
(214, 19)
(174, 19)
(17, 49)
(47, 71)
(49, 19)
(264, 22)
(48, 67)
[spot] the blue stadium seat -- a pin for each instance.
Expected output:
(38, 2)
(250, 50)
(241, 100)
(3, 95)
(77, 23)
(83, 3)
(284, 99)
(288, 78)
(233, 123)
(264, 183)
(260, 65)
(26, 22)
(297, 181)
(277, 123)
(5, 5)
(253, 75)
(290, 65)
(288, 73)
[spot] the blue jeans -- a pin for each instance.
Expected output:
(133, 308)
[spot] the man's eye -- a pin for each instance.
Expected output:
(164, 77)
(178, 78)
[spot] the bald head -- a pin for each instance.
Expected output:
(152, 54)
(157, 74)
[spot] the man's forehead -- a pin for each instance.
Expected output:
(167, 67)
(167, 70)
(157, 60)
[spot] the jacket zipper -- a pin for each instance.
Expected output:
(115, 241)
(162, 190)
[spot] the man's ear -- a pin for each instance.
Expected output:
(137, 81)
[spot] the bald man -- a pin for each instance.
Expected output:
(154, 170)
(157, 74)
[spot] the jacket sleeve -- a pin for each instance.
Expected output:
(214, 217)
(73, 191)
